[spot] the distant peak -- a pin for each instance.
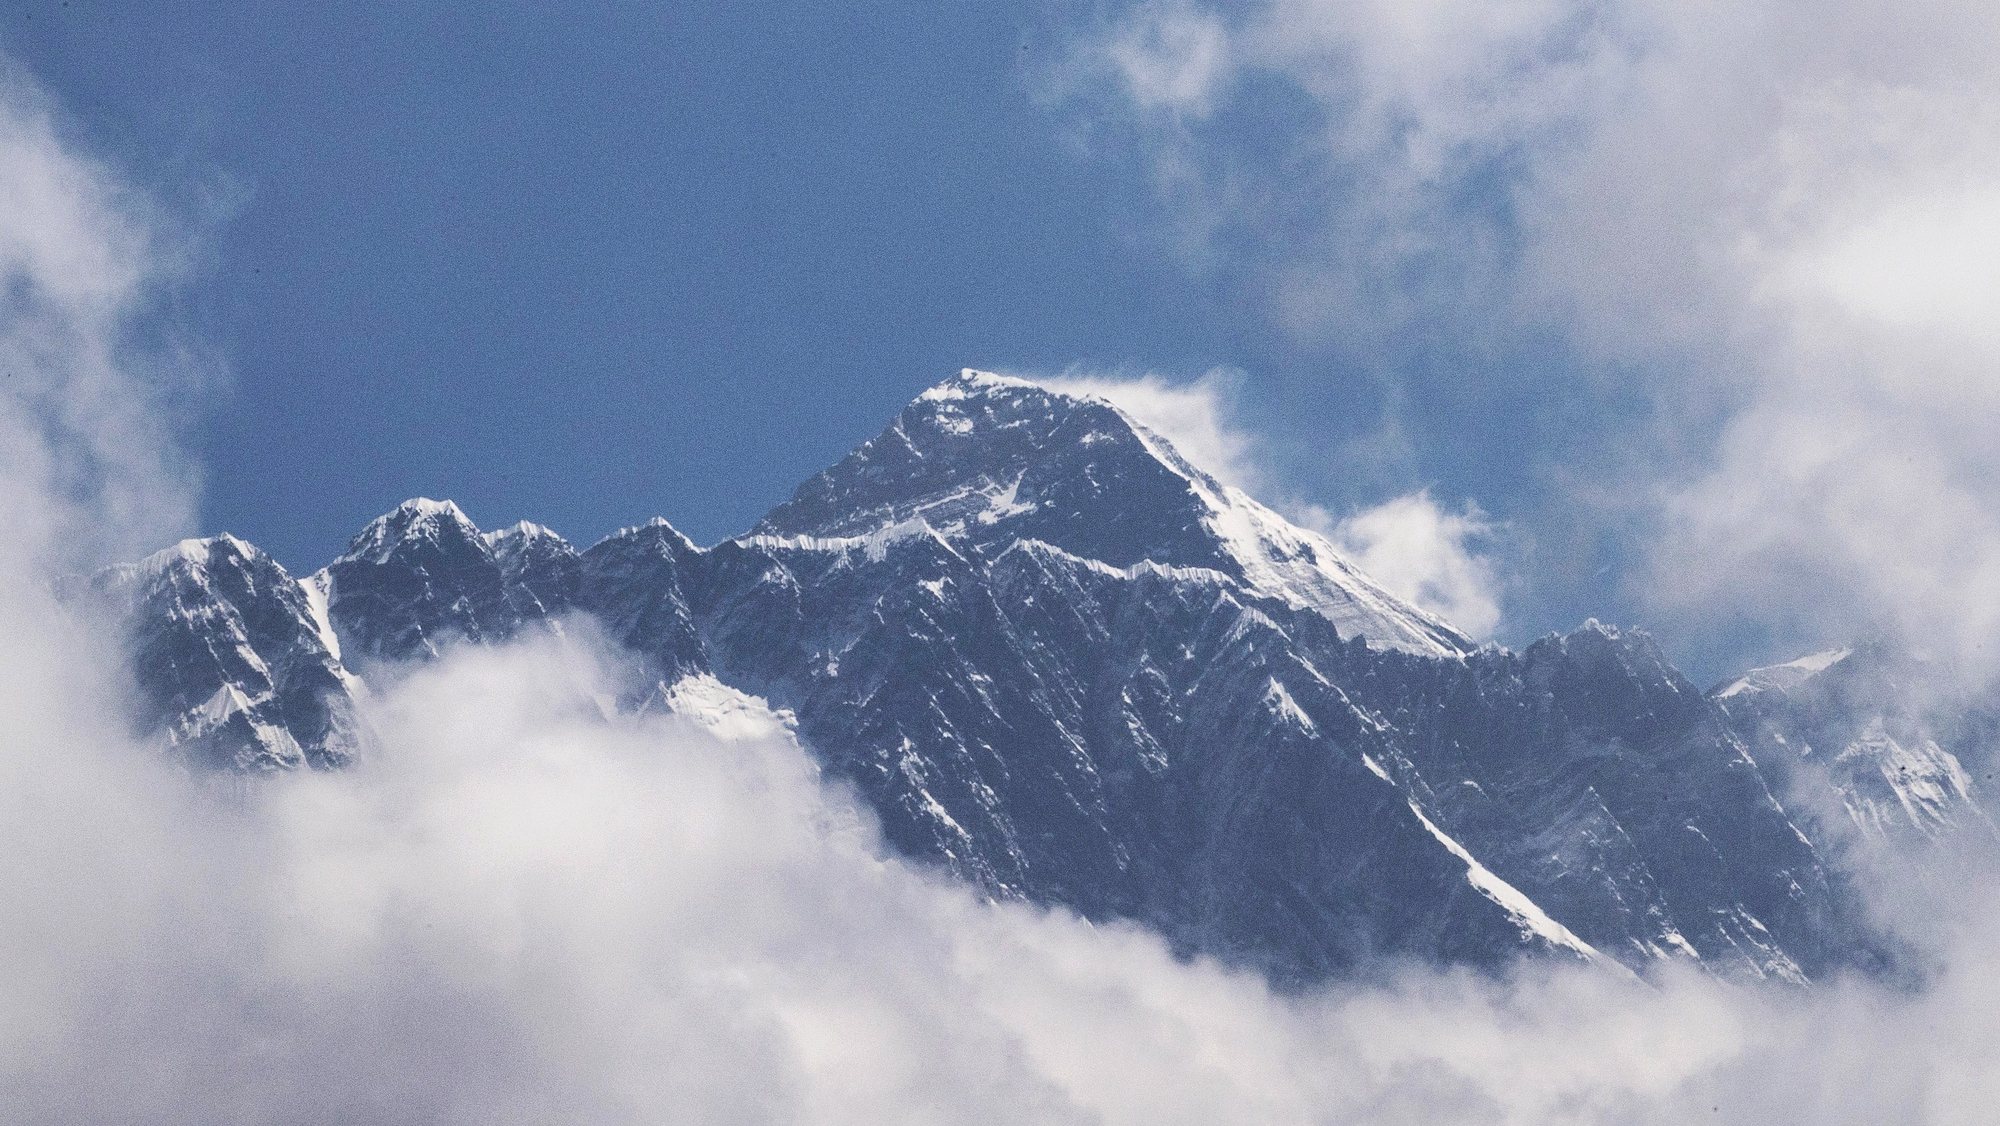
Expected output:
(983, 460)
(1630, 647)
(199, 551)
(654, 531)
(195, 560)
(968, 453)
(1593, 631)
(424, 506)
(983, 406)
(416, 518)
(524, 538)
(521, 530)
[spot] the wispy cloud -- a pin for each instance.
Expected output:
(83, 257)
(1169, 56)
(1437, 558)
(1197, 416)
(1441, 560)
(1771, 227)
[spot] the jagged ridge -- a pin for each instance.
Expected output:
(1065, 664)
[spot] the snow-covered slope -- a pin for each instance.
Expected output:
(1781, 678)
(1065, 665)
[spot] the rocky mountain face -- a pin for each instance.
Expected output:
(1064, 664)
(235, 661)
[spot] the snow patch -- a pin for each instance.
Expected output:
(1529, 917)
(1784, 677)
(1281, 703)
(725, 712)
(970, 382)
(874, 545)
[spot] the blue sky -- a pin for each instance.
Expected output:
(591, 268)
(595, 268)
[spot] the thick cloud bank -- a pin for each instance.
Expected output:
(523, 909)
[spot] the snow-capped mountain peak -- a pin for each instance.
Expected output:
(989, 460)
(521, 548)
(419, 519)
(521, 532)
(193, 555)
(423, 574)
(237, 665)
(972, 381)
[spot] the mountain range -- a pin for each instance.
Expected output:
(1064, 664)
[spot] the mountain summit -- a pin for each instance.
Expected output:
(991, 461)
(1067, 666)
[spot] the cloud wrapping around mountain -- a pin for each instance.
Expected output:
(523, 908)
(1195, 415)
(521, 911)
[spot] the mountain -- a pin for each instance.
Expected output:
(235, 661)
(989, 461)
(1874, 742)
(1065, 665)
(423, 574)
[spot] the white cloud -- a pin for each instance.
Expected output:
(1926, 262)
(1170, 55)
(82, 256)
(1195, 416)
(1781, 215)
(1433, 557)
(518, 909)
